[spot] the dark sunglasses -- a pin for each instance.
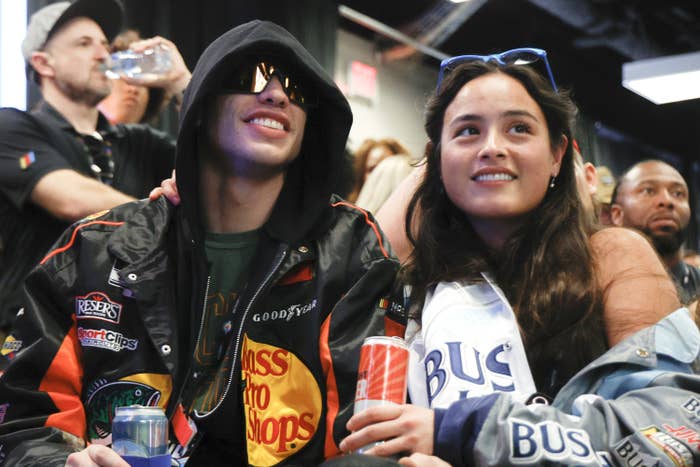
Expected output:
(522, 56)
(253, 77)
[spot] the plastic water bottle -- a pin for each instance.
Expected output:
(147, 64)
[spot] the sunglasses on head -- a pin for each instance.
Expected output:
(522, 56)
(252, 78)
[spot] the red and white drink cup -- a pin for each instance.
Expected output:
(382, 375)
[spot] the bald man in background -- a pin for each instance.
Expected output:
(652, 196)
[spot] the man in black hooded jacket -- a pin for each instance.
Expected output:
(241, 311)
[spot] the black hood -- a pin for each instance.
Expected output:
(311, 177)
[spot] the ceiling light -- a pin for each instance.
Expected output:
(664, 79)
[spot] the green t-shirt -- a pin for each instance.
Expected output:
(229, 257)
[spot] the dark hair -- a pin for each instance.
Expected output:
(545, 268)
(361, 156)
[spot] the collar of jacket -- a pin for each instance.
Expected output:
(49, 113)
(140, 241)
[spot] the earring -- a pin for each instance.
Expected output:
(551, 181)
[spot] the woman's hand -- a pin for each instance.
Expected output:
(167, 187)
(403, 428)
(96, 455)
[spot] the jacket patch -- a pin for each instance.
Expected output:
(26, 160)
(548, 441)
(114, 278)
(106, 339)
(471, 371)
(634, 454)
(285, 314)
(10, 347)
(677, 451)
(148, 389)
(97, 305)
(684, 433)
(282, 402)
(692, 406)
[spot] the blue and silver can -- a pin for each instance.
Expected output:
(140, 436)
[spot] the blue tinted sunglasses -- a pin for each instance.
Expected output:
(522, 56)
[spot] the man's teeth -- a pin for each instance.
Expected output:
(494, 177)
(268, 122)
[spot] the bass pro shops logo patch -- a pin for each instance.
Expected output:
(97, 305)
(282, 402)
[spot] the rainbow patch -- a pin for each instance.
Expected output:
(26, 160)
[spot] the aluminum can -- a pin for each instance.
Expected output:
(140, 436)
(382, 375)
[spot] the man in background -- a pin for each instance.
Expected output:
(652, 196)
(63, 160)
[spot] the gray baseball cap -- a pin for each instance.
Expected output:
(108, 14)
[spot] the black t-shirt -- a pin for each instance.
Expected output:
(37, 143)
(687, 280)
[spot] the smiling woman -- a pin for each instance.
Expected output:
(496, 160)
(517, 298)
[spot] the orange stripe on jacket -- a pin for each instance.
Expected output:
(330, 448)
(72, 238)
(63, 384)
(369, 222)
(303, 273)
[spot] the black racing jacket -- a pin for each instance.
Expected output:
(114, 310)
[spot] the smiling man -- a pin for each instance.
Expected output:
(241, 311)
(651, 196)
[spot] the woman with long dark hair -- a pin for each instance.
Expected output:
(517, 298)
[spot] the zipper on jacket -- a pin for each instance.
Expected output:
(240, 331)
(201, 318)
(185, 391)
